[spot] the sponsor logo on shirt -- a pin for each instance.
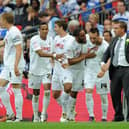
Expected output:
(45, 48)
(59, 45)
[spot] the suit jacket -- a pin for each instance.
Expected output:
(109, 53)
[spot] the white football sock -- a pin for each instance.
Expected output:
(6, 100)
(104, 104)
(90, 104)
(62, 101)
(65, 99)
(70, 108)
(18, 102)
(46, 101)
(35, 105)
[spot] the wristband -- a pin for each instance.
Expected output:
(102, 63)
(54, 55)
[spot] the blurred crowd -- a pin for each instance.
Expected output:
(28, 12)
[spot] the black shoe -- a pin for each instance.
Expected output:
(127, 119)
(91, 118)
(117, 119)
(104, 120)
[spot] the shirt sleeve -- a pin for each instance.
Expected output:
(35, 45)
(17, 38)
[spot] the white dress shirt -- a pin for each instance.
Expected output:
(121, 56)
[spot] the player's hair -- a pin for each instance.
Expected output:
(94, 30)
(109, 32)
(43, 23)
(62, 23)
(9, 17)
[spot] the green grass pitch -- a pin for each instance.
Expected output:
(70, 125)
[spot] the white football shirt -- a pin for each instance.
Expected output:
(40, 65)
(12, 38)
(93, 64)
(63, 45)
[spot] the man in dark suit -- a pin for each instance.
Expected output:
(118, 52)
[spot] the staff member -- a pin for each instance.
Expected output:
(118, 51)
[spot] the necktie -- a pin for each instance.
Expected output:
(116, 54)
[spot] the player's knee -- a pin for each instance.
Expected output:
(67, 87)
(88, 90)
(36, 92)
(47, 93)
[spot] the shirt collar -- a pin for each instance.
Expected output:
(123, 37)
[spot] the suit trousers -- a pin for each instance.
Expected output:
(119, 81)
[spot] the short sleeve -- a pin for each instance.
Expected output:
(17, 39)
(35, 45)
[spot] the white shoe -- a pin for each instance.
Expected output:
(44, 117)
(36, 119)
(63, 118)
(17, 120)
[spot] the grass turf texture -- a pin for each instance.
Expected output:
(70, 125)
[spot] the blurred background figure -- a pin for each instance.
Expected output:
(107, 36)
(88, 26)
(94, 19)
(31, 19)
(107, 24)
(122, 14)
